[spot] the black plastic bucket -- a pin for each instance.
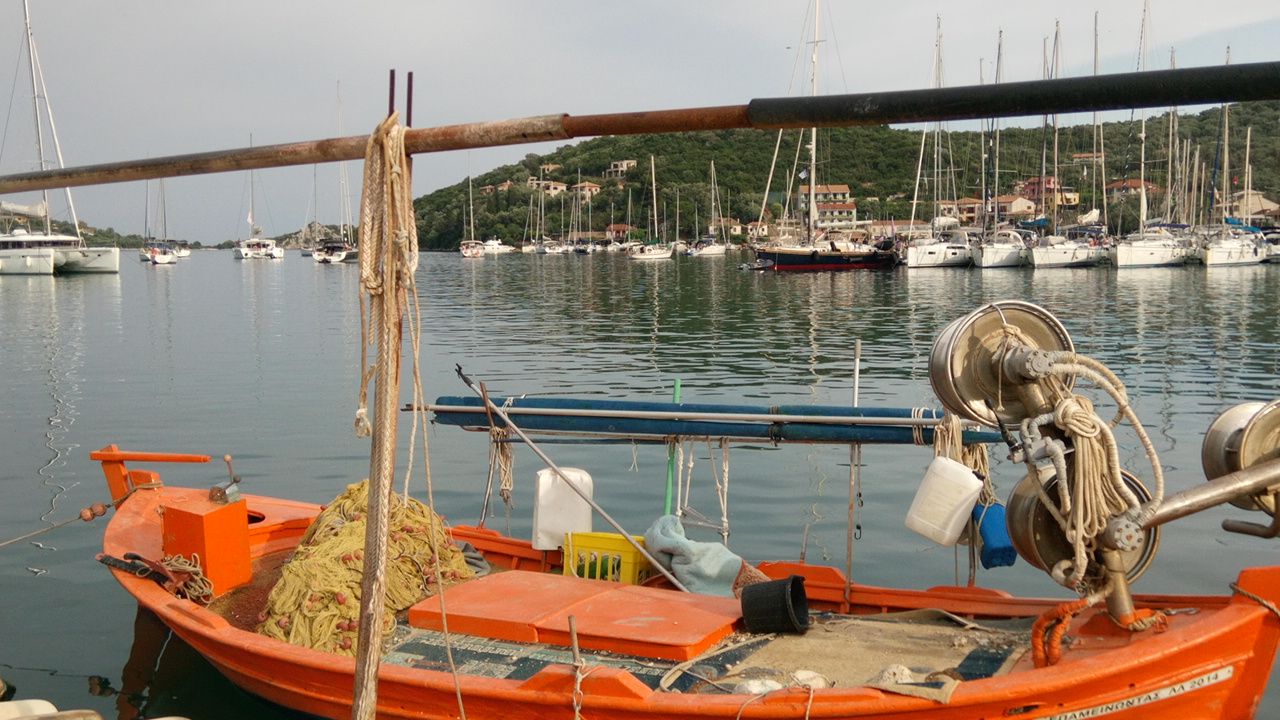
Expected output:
(777, 606)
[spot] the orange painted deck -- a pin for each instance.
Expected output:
(627, 619)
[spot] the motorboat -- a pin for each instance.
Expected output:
(258, 248)
(332, 252)
(495, 246)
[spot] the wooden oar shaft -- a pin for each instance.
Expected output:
(1190, 86)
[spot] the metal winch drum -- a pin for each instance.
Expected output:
(1239, 438)
(962, 370)
(1040, 541)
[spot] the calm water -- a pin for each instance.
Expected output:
(261, 361)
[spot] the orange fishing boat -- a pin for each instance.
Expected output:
(523, 638)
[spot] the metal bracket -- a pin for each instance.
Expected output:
(1256, 529)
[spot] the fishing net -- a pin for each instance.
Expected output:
(316, 603)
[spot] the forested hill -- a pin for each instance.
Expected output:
(877, 163)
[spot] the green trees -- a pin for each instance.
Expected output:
(877, 163)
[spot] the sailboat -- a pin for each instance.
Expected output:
(1001, 246)
(820, 249)
(715, 244)
(655, 249)
(948, 245)
(256, 247)
(1149, 245)
(157, 251)
(28, 250)
(342, 248)
(1228, 243)
(1060, 250)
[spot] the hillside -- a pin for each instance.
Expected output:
(877, 163)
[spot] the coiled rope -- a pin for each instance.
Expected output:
(316, 603)
(1095, 492)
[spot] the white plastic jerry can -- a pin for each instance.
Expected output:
(944, 501)
(557, 509)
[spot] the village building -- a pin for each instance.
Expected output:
(618, 169)
(551, 187)
(1048, 192)
(617, 231)
(730, 225)
(1121, 189)
(757, 230)
(835, 208)
(586, 189)
(1250, 204)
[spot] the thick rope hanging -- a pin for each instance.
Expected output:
(388, 259)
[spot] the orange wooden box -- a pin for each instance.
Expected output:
(218, 534)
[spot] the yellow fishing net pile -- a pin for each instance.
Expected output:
(316, 603)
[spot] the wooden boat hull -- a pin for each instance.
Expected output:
(1213, 661)
(811, 259)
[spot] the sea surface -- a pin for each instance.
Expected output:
(261, 360)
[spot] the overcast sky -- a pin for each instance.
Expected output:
(131, 80)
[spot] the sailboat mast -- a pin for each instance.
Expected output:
(1226, 151)
(35, 106)
(1246, 212)
(937, 127)
(344, 199)
(1172, 150)
(1142, 136)
(813, 131)
(1057, 182)
(1099, 180)
(653, 178)
(995, 173)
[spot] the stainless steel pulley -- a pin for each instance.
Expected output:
(1241, 437)
(963, 364)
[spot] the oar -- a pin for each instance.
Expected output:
(560, 473)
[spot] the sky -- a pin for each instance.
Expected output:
(133, 79)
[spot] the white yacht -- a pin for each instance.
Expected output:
(1059, 251)
(26, 253)
(1227, 245)
(949, 248)
(1150, 247)
(653, 251)
(1005, 247)
(494, 246)
(258, 248)
(332, 252)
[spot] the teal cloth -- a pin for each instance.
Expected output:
(702, 567)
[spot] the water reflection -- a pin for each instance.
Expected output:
(261, 360)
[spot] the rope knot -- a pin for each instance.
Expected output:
(1075, 415)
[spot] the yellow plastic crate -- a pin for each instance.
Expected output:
(605, 556)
